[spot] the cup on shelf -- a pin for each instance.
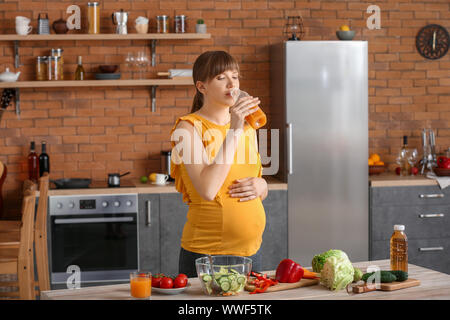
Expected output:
(22, 20)
(22, 25)
(161, 178)
(141, 25)
(23, 29)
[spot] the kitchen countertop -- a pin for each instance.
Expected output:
(434, 285)
(273, 184)
(393, 180)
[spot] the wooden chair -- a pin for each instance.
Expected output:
(20, 260)
(14, 225)
(10, 238)
(3, 172)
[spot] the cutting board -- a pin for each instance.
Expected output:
(392, 286)
(284, 286)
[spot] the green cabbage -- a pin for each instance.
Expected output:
(319, 260)
(337, 273)
(358, 275)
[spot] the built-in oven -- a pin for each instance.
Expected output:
(96, 235)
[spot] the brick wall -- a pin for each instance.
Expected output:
(93, 131)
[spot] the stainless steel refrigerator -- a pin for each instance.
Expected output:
(319, 102)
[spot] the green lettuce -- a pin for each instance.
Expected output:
(337, 273)
(319, 260)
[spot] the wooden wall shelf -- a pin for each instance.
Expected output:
(152, 83)
(105, 36)
(97, 83)
(153, 37)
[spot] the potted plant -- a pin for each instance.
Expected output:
(200, 27)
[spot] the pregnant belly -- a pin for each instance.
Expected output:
(243, 222)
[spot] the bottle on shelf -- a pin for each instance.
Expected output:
(399, 249)
(33, 163)
(44, 160)
(405, 167)
(79, 72)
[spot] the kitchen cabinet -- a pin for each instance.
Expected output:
(425, 212)
(274, 247)
(149, 232)
(173, 217)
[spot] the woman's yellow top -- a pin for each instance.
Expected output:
(224, 225)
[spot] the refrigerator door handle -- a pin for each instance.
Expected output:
(289, 147)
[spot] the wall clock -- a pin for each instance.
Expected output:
(432, 41)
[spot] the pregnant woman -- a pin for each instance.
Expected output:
(217, 167)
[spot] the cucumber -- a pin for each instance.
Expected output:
(234, 285)
(385, 276)
(222, 279)
(241, 279)
(400, 275)
(206, 278)
(225, 285)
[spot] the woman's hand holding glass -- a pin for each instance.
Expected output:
(248, 188)
(242, 108)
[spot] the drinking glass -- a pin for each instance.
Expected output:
(130, 62)
(413, 156)
(141, 285)
(141, 63)
(256, 119)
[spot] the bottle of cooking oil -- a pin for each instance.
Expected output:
(79, 72)
(399, 249)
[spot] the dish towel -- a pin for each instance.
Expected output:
(443, 182)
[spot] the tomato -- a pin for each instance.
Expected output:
(156, 280)
(182, 275)
(443, 162)
(180, 281)
(414, 170)
(166, 283)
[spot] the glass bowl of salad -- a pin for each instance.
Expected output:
(230, 274)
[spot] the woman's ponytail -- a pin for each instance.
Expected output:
(198, 101)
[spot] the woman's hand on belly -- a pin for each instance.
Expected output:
(248, 189)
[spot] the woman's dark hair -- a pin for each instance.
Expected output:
(208, 65)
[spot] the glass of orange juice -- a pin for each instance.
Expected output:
(141, 285)
(256, 119)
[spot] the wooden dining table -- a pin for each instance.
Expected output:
(433, 286)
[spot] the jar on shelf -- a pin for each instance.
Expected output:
(59, 53)
(180, 24)
(162, 24)
(93, 17)
(42, 68)
(54, 69)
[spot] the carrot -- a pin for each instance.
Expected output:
(310, 275)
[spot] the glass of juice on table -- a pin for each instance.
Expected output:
(141, 285)
(256, 119)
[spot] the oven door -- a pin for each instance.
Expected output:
(103, 246)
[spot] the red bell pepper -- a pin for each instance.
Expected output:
(443, 162)
(262, 282)
(289, 271)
